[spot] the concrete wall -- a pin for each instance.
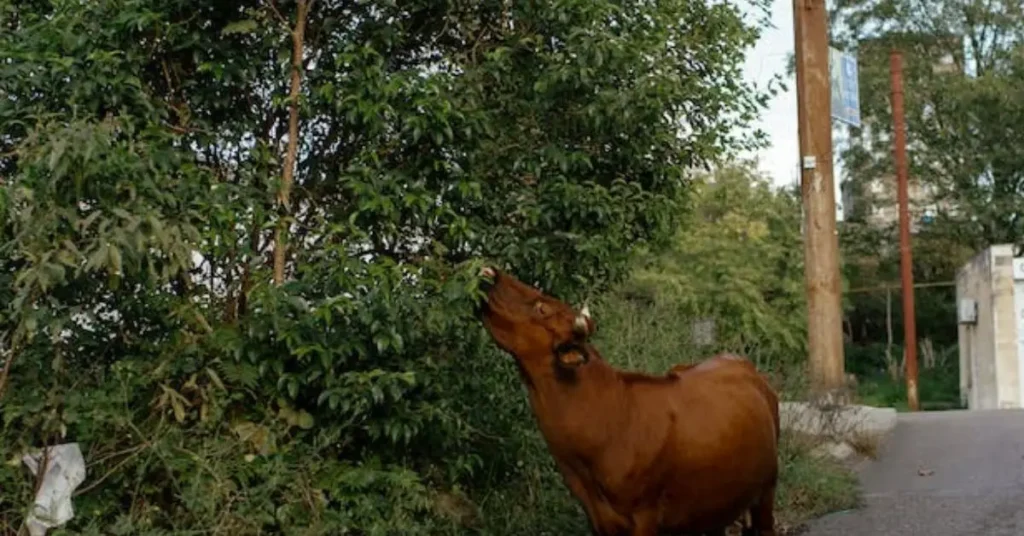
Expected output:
(989, 375)
(1005, 323)
(977, 367)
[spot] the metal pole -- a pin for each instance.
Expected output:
(906, 260)
(821, 244)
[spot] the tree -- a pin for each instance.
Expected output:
(737, 260)
(962, 128)
(147, 153)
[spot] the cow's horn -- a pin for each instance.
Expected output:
(581, 324)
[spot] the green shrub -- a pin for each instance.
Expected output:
(734, 269)
(142, 207)
(938, 386)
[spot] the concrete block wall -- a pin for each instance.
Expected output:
(977, 374)
(1005, 323)
(989, 375)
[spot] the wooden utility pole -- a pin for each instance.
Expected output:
(903, 197)
(821, 243)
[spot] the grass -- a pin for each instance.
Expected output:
(865, 444)
(938, 382)
(938, 389)
(810, 486)
(537, 504)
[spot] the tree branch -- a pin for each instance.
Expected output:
(288, 177)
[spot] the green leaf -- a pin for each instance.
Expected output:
(114, 260)
(305, 420)
(99, 258)
(244, 26)
(215, 378)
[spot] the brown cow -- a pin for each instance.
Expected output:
(685, 453)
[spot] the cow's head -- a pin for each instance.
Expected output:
(531, 325)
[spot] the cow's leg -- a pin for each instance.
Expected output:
(607, 522)
(763, 515)
(645, 523)
(604, 521)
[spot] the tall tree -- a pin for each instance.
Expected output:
(147, 152)
(736, 261)
(964, 83)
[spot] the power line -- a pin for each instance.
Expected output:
(895, 286)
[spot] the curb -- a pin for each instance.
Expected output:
(837, 422)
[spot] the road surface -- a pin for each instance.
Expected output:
(952, 473)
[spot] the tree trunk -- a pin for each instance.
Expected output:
(288, 175)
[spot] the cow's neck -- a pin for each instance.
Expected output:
(582, 412)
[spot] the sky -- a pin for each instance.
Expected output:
(766, 59)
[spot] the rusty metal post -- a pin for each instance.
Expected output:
(821, 243)
(903, 197)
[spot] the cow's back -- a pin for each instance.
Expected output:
(722, 449)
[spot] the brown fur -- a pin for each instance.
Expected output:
(686, 453)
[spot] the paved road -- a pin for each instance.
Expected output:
(942, 474)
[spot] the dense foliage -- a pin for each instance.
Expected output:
(147, 168)
(731, 280)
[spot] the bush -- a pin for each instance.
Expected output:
(254, 311)
(938, 386)
(730, 280)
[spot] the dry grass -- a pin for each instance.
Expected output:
(810, 486)
(865, 444)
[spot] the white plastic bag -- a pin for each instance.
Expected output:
(64, 471)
